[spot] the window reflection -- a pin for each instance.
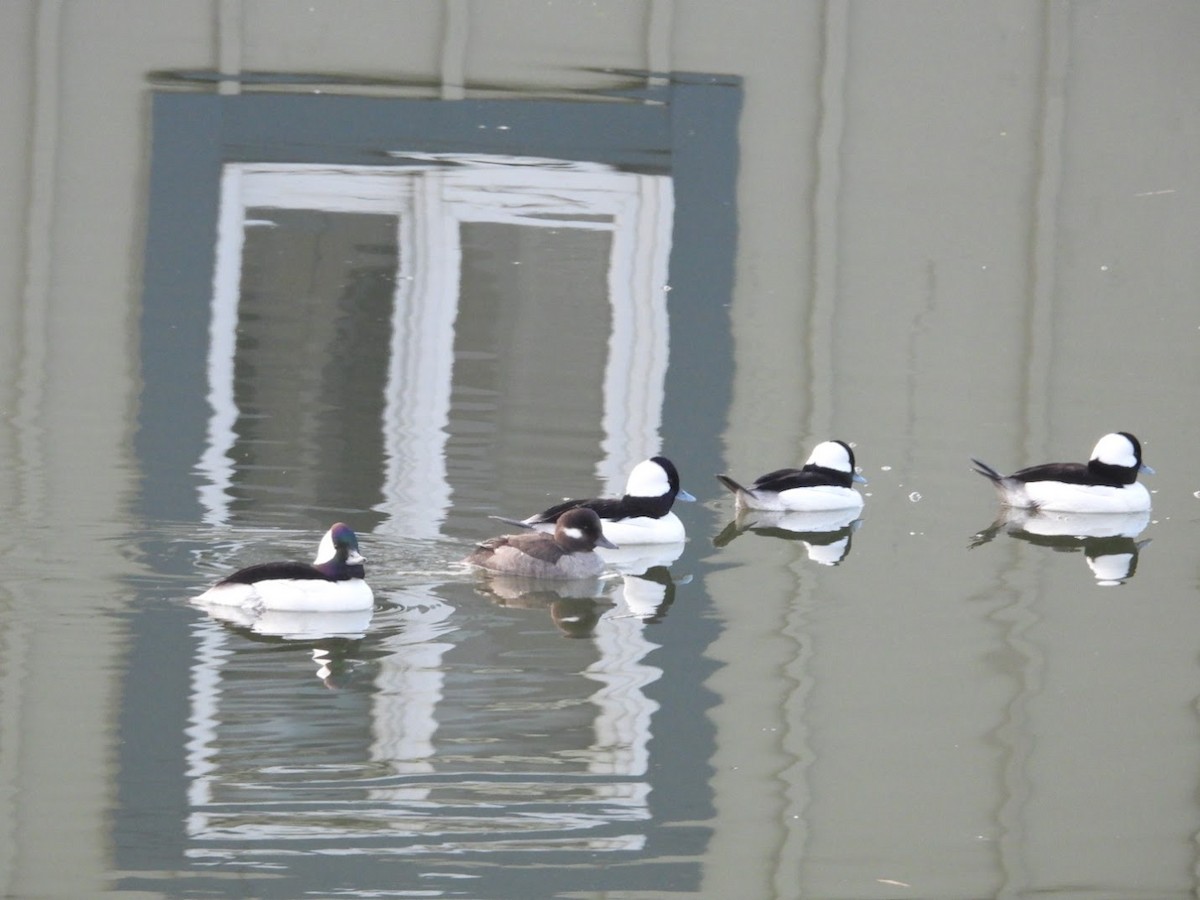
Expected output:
(454, 745)
(401, 249)
(382, 337)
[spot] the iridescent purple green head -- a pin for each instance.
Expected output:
(337, 554)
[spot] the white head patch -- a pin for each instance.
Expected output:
(830, 455)
(647, 480)
(325, 550)
(1115, 450)
(573, 533)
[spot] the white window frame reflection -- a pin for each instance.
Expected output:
(431, 198)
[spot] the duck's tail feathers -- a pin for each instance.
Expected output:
(987, 471)
(731, 485)
(518, 522)
(745, 496)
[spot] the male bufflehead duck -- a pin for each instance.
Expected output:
(568, 553)
(332, 583)
(824, 483)
(1107, 483)
(642, 516)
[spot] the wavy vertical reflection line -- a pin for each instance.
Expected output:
(456, 30)
(230, 16)
(795, 742)
(825, 214)
(660, 21)
(33, 327)
(26, 427)
(1043, 232)
(15, 641)
(819, 340)
(1014, 732)
(216, 461)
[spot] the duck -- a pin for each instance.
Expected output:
(642, 516)
(333, 582)
(824, 483)
(568, 553)
(1106, 483)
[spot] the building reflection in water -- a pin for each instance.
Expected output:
(416, 727)
(336, 227)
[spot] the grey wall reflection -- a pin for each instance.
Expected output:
(411, 344)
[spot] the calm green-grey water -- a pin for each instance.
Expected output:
(271, 267)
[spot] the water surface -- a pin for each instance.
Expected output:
(937, 234)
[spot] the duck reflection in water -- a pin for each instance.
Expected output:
(647, 588)
(575, 606)
(290, 625)
(825, 536)
(649, 594)
(333, 638)
(638, 558)
(1108, 540)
